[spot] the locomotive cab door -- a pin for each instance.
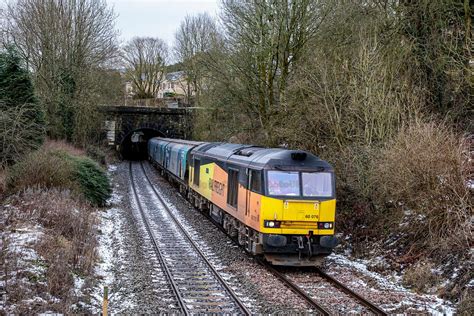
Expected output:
(254, 189)
(247, 198)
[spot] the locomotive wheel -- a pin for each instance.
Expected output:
(241, 237)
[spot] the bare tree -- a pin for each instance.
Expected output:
(18, 131)
(145, 60)
(195, 36)
(264, 40)
(62, 41)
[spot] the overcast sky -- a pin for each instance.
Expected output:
(157, 18)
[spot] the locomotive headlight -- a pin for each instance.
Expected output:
(271, 224)
(325, 225)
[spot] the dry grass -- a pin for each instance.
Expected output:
(67, 246)
(69, 222)
(62, 145)
(49, 189)
(466, 304)
(420, 276)
(423, 171)
(3, 182)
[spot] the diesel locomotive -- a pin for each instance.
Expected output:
(275, 202)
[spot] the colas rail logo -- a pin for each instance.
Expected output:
(216, 186)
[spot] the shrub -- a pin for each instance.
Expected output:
(22, 125)
(422, 175)
(355, 214)
(50, 167)
(19, 133)
(44, 168)
(94, 182)
(97, 154)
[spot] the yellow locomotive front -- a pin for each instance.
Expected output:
(297, 215)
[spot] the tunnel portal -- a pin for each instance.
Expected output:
(134, 144)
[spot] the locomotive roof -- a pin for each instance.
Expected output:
(262, 158)
(178, 141)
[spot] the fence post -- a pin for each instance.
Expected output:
(105, 302)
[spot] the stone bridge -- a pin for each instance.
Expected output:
(122, 123)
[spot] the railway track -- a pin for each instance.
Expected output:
(285, 278)
(298, 289)
(369, 305)
(198, 287)
(295, 288)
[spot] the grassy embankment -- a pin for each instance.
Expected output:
(49, 240)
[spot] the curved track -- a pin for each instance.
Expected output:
(198, 287)
(298, 289)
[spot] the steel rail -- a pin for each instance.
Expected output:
(295, 288)
(156, 248)
(195, 246)
(300, 292)
(372, 307)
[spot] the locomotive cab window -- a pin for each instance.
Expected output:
(317, 184)
(255, 180)
(197, 166)
(232, 187)
(283, 183)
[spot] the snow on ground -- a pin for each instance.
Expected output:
(387, 284)
(109, 221)
(111, 168)
(24, 267)
(127, 265)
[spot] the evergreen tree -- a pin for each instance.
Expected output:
(22, 124)
(15, 83)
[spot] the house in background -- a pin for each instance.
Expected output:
(173, 90)
(175, 85)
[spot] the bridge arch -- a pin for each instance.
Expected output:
(122, 122)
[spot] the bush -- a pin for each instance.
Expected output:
(97, 154)
(50, 167)
(422, 175)
(355, 211)
(94, 182)
(43, 168)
